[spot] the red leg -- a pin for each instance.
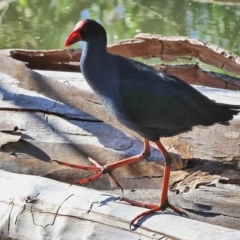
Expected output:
(164, 203)
(108, 168)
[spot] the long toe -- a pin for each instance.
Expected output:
(137, 204)
(156, 209)
(108, 168)
(176, 210)
(88, 168)
(87, 180)
(153, 208)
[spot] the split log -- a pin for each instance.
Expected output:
(38, 208)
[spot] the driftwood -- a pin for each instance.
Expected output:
(38, 208)
(51, 130)
(149, 46)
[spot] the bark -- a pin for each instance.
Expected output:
(38, 208)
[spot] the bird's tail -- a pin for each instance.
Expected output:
(222, 112)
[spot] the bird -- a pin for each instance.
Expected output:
(149, 102)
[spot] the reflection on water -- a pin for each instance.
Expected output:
(36, 24)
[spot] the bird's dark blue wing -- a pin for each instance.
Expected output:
(156, 100)
(165, 104)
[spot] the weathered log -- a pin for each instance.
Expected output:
(38, 208)
(169, 48)
(52, 130)
(193, 74)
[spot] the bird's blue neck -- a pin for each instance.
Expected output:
(92, 54)
(95, 64)
(92, 57)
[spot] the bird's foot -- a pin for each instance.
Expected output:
(108, 168)
(153, 208)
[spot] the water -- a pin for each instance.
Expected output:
(36, 24)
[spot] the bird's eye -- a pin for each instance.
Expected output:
(84, 29)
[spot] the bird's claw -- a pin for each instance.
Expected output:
(153, 208)
(101, 170)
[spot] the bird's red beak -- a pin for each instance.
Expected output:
(72, 38)
(75, 36)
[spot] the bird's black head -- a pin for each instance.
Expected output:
(86, 30)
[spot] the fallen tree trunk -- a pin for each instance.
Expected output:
(35, 208)
(51, 130)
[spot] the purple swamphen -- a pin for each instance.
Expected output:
(150, 103)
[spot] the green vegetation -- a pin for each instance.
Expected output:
(36, 24)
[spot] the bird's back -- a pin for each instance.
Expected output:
(161, 105)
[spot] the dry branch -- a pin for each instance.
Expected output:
(148, 46)
(172, 47)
